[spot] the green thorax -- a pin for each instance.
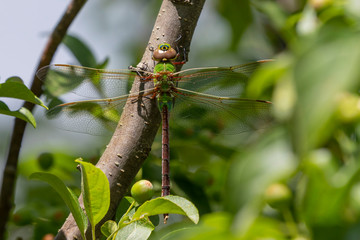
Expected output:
(162, 71)
(163, 81)
(164, 67)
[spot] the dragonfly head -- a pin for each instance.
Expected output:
(164, 53)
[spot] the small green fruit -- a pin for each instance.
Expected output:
(23, 216)
(348, 107)
(59, 215)
(142, 191)
(46, 160)
(278, 196)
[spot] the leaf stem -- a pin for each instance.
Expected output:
(93, 232)
(290, 223)
(123, 218)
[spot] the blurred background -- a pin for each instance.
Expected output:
(298, 179)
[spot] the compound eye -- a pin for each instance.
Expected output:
(164, 47)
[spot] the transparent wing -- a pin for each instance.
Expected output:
(219, 81)
(88, 82)
(95, 117)
(228, 115)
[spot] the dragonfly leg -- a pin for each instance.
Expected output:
(187, 2)
(153, 96)
(151, 49)
(176, 40)
(134, 101)
(184, 56)
(179, 63)
(136, 69)
(144, 78)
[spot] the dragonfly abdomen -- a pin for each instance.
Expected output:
(165, 99)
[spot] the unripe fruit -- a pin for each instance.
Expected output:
(46, 160)
(142, 191)
(23, 216)
(278, 196)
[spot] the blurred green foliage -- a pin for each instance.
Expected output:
(313, 149)
(43, 210)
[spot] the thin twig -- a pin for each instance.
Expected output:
(133, 138)
(9, 176)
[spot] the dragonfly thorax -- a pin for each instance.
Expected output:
(164, 84)
(163, 72)
(164, 68)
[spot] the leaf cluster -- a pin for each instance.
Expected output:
(96, 197)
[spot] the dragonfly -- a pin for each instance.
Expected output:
(210, 94)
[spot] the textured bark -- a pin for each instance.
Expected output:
(9, 176)
(139, 123)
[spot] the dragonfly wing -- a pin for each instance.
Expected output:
(88, 82)
(95, 117)
(219, 81)
(220, 114)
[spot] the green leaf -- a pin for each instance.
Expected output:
(123, 206)
(15, 79)
(238, 14)
(137, 230)
(22, 113)
(273, 11)
(322, 173)
(108, 228)
(16, 89)
(338, 53)
(213, 226)
(168, 204)
(58, 83)
(103, 64)
(96, 192)
(80, 50)
(67, 195)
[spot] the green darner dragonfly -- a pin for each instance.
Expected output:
(197, 94)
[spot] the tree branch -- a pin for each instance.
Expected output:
(9, 176)
(133, 138)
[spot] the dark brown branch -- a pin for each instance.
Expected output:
(9, 176)
(133, 138)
